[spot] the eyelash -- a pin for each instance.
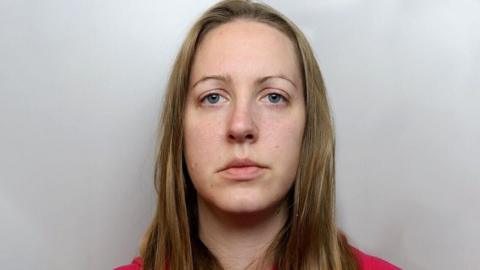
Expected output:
(282, 97)
(203, 99)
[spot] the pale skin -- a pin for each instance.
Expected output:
(245, 100)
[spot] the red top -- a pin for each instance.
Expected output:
(365, 261)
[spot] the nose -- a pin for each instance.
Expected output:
(242, 127)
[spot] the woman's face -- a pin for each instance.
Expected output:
(244, 117)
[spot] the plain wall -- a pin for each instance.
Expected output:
(81, 84)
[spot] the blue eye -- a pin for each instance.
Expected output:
(275, 98)
(212, 98)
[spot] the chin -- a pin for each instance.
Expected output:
(241, 208)
(244, 204)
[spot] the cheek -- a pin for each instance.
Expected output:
(283, 134)
(282, 144)
(202, 139)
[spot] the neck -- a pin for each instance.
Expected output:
(239, 241)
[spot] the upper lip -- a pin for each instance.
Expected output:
(241, 162)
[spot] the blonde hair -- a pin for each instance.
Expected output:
(309, 239)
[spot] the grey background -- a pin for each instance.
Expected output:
(81, 84)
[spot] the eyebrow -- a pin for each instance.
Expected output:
(227, 78)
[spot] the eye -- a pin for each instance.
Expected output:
(276, 98)
(213, 98)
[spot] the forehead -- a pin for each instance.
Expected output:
(245, 50)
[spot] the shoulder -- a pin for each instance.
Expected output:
(368, 262)
(365, 261)
(136, 264)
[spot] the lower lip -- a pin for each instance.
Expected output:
(243, 173)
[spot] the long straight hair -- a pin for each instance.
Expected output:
(309, 239)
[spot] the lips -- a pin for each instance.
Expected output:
(242, 169)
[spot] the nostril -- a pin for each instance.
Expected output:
(241, 137)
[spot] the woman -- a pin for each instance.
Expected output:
(245, 169)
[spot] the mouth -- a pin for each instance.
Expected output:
(242, 170)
